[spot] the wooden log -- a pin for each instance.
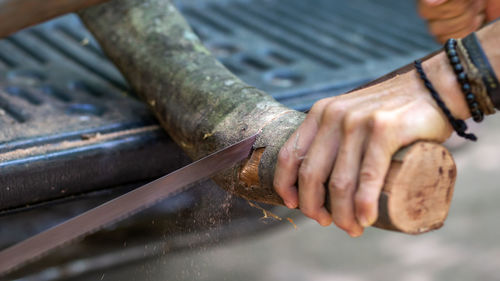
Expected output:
(18, 14)
(204, 107)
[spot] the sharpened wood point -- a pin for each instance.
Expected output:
(417, 192)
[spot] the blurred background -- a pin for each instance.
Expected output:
(74, 135)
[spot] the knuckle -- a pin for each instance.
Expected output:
(319, 106)
(306, 174)
(341, 187)
(352, 121)
(379, 122)
(334, 110)
(368, 175)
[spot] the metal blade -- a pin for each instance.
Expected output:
(122, 207)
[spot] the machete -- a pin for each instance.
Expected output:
(123, 206)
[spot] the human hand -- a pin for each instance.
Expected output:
(349, 140)
(455, 18)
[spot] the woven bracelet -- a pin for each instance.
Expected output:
(458, 125)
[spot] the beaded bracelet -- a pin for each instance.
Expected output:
(462, 78)
(458, 125)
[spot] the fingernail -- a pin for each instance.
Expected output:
(363, 221)
(290, 204)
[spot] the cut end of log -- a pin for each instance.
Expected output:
(417, 193)
(418, 190)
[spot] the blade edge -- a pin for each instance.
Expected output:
(121, 207)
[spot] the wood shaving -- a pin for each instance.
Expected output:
(270, 215)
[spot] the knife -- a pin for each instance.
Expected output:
(122, 207)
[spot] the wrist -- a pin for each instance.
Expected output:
(489, 37)
(443, 78)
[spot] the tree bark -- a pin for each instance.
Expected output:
(204, 107)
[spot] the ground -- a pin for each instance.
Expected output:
(465, 248)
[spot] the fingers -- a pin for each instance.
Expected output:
(376, 163)
(317, 165)
(446, 10)
(292, 153)
(453, 18)
(476, 23)
(344, 178)
(453, 25)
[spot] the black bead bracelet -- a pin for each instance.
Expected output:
(451, 50)
(480, 60)
(458, 125)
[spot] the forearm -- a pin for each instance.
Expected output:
(443, 78)
(489, 36)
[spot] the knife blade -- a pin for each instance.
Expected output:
(122, 207)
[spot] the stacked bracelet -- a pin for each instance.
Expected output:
(480, 60)
(462, 78)
(475, 80)
(458, 125)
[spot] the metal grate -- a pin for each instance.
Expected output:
(68, 124)
(301, 51)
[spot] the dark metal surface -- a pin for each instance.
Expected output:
(123, 206)
(301, 51)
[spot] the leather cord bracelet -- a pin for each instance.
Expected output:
(458, 124)
(477, 85)
(479, 59)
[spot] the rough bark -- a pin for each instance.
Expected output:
(204, 107)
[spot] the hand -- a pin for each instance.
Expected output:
(454, 18)
(350, 140)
